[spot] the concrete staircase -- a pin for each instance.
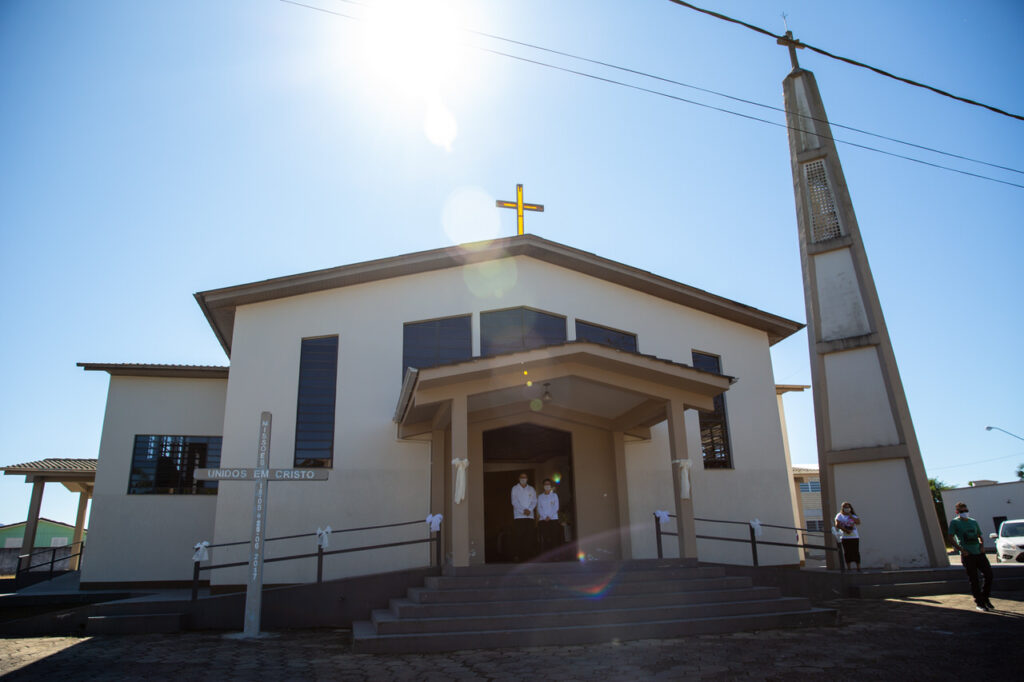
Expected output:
(931, 581)
(572, 603)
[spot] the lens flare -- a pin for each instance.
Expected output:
(491, 279)
(439, 124)
(557, 478)
(536, 404)
(468, 216)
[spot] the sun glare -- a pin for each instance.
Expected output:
(411, 49)
(412, 44)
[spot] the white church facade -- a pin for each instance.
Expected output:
(402, 375)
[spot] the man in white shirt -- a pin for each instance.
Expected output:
(547, 518)
(524, 501)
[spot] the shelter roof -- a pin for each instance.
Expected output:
(219, 305)
(145, 370)
(52, 465)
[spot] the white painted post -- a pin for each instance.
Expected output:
(254, 586)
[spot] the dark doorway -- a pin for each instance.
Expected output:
(542, 453)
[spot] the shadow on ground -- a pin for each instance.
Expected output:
(918, 638)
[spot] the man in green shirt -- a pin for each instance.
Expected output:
(965, 535)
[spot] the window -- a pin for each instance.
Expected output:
(810, 487)
(714, 427)
(605, 336)
(164, 465)
(318, 386)
(516, 329)
(815, 525)
(436, 342)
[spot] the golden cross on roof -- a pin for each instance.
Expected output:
(519, 206)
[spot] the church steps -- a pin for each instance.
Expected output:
(367, 640)
(573, 567)
(568, 579)
(405, 608)
(425, 595)
(387, 623)
(513, 606)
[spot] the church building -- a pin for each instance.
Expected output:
(425, 384)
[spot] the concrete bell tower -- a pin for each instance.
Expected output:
(867, 449)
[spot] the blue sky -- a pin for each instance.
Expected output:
(152, 150)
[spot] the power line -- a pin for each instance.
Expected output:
(741, 115)
(720, 94)
(980, 461)
(681, 99)
(737, 99)
(854, 62)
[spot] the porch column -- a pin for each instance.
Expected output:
(437, 465)
(625, 534)
(684, 508)
(83, 502)
(460, 512)
(28, 541)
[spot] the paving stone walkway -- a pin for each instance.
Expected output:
(919, 638)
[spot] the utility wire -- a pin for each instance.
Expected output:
(688, 101)
(739, 99)
(741, 115)
(720, 94)
(979, 461)
(854, 62)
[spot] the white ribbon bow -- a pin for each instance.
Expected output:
(756, 525)
(662, 516)
(435, 521)
(684, 478)
(322, 536)
(201, 553)
(460, 478)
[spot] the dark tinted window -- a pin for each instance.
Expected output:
(436, 342)
(164, 465)
(714, 426)
(508, 331)
(605, 336)
(318, 384)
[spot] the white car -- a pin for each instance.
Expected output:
(1010, 541)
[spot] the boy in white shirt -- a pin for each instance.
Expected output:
(547, 514)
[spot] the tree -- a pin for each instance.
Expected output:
(937, 487)
(1020, 472)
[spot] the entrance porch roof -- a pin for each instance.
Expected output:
(586, 383)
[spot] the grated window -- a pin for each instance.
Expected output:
(824, 220)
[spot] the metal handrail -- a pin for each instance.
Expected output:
(320, 553)
(753, 541)
(53, 558)
(306, 535)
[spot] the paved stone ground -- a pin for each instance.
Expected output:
(919, 638)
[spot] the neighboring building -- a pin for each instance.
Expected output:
(989, 503)
(49, 534)
(516, 354)
(808, 489)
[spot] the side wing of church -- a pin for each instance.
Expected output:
(414, 378)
